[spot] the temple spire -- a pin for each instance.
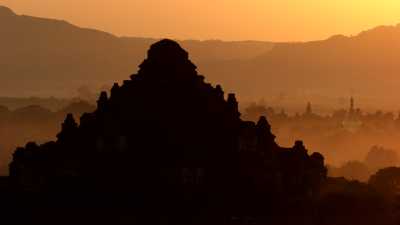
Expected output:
(102, 102)
(68, 128)
(309, 109)
(351, 110)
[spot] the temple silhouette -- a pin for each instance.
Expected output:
(172, 146)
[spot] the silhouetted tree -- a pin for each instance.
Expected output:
(387, 181)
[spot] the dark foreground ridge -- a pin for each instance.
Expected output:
(166, 148)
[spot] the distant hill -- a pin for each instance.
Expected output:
(46, 57)
(43, 57)
(366, 65)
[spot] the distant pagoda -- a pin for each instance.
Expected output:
(352, 120)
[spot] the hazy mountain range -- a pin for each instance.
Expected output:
(49, 57)
(44, 57)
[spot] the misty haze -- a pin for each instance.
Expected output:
(102, 128)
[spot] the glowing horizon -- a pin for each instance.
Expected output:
(274, 20)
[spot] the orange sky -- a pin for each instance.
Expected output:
(276, 20)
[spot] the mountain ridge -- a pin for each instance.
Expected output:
(45, 57)
(35, 50)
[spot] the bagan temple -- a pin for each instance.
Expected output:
(171, 145)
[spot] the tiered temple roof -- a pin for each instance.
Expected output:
(166, 132)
